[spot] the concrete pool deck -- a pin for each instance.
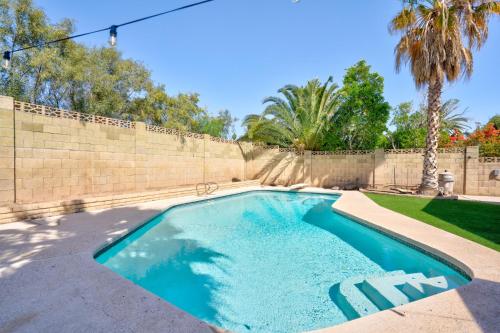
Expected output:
(50, 282)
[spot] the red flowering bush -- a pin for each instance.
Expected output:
(457, 139)
(488, 140)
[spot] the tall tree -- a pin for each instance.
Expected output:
(221, 125)
(437, 40)
(452, 118)
(495, 120)
(301, 119)
(410, 125)
(363, 113)
(22, 24)
(91, 80)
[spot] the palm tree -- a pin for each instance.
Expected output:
(437, 40)
(452, 118)
(300, 120)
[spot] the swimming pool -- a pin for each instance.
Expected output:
(268, 261)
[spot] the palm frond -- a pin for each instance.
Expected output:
(298, 119)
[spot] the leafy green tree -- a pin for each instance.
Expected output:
(362, 116)
(409, 127)
(22, 24)
(65, 74)
(495, 120)
(221, 125)
(301, 119)
(437, 40)
(92, 80)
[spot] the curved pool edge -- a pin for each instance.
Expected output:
(186, 201)
(473, 305)
(181, 201)
(419, 246)
(469, 308)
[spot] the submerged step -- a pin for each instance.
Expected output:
(420, 289)
(352, 301)
(383, 293)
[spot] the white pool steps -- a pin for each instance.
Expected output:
(361, 296)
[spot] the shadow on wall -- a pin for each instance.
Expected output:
(284, 168)
(69, 207)
(36, 255)
(348, 172)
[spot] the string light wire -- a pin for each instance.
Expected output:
(112, 29)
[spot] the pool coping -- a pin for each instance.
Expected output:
(369, 221)
(471, 308)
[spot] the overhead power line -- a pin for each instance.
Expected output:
(113, 32)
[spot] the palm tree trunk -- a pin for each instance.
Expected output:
(430, 177)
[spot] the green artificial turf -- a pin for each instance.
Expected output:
(479, 222)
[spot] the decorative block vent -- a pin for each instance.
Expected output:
(489, 159)
(343, 152)
(222, 140)
(173, 131)
(65, 114)
(422, 151)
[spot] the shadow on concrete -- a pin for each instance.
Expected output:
(481, 297)
(50, 281)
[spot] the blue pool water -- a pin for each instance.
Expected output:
(261, 261)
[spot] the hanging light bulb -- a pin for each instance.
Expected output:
(6, 60)
(112, 35)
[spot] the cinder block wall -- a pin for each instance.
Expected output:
(6, 150)
(404, 167)
(379, 168)
(487, 182)
(342, 168)
(63, 155)
(48, 155)
(273, 165)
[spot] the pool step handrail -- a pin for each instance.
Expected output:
(199, 190)
(206, 188)
(212, 187)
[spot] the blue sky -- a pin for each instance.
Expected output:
(236, 52)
